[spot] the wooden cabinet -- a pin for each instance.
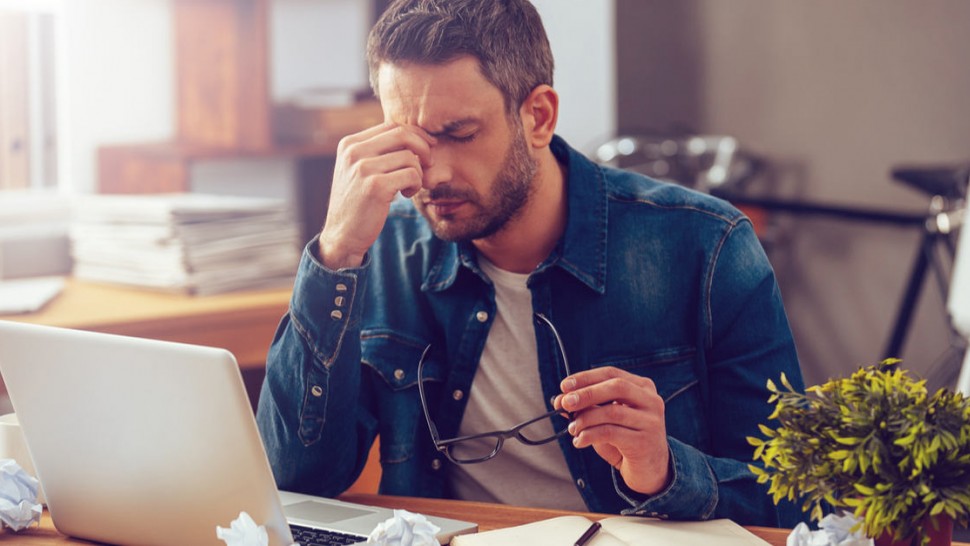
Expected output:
(222, 73)
(222, 99)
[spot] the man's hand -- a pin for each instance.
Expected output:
(372, 167)
(622, 417)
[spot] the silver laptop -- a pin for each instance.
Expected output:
(138, 441)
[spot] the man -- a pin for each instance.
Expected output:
(524, 279)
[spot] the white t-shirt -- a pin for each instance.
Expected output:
(505, 392)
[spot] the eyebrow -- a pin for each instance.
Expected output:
(453, 126)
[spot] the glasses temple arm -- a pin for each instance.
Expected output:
(424, 401)
(562, 349)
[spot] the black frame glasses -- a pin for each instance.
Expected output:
(451, 448)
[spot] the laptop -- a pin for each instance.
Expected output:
(138, 441)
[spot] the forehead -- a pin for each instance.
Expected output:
(431, 96)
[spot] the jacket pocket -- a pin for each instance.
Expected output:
(394, 361)
(395, 358)
(673, 372)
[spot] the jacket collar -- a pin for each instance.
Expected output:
(581, 251)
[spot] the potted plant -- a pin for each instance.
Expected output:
(876, 444)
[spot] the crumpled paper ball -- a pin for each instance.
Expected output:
(243, 531)
(833, 531)
(405, 529)
(18, 496)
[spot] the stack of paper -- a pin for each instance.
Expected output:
(201, 244)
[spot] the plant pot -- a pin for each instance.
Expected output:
(939, 529)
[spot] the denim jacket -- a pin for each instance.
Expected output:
(649, 277)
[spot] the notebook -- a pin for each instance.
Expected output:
(617, 531)
(138, 441)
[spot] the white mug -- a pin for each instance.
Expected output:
(13, 446)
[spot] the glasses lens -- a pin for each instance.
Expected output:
(543, 430)
(473, 450)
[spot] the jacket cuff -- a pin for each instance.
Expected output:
(691, 494)
(325, 303)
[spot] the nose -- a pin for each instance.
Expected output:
(439, 172)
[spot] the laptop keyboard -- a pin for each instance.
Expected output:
(308, 536)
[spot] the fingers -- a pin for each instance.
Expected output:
(393, 172)
(611, 406)
(372, 167)
(600, 386)
(620, 415)
(384, 139)
(375, 155)
(615, 424)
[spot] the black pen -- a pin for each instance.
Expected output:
(588, 535)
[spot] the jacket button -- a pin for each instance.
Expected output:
(482, 316)
(399, 374)
(457, 395)
(581, 484)
(336, 314)
(436, 464)
(341, 287)
(339, 301)
(316, 391)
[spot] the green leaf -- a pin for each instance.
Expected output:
(864, 489)
(784, 381)
(906, 440)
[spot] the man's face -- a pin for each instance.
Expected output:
(483, 170)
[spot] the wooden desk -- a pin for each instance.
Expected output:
(488, 516)
(242, 322)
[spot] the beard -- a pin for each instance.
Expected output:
(511, 189)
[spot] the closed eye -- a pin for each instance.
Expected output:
(461, 138)
(459, 131)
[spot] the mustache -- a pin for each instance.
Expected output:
(448, 192)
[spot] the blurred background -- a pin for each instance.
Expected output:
(821, 101)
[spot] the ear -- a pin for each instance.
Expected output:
(539, 113)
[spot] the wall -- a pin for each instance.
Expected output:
(834, 94)
(118, 88)
(585, 74)
(308, 39)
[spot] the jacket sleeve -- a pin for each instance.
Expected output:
(746, 340)
(315, 419)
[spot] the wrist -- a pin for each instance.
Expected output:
(334, 257)
(652, 483)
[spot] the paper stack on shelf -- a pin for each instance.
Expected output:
(194, 243)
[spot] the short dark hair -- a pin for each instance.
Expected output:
(506, 36)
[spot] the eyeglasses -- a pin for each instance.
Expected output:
(477, 448)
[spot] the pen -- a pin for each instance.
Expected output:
(588, 535)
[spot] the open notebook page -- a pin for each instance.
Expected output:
(617, 531)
